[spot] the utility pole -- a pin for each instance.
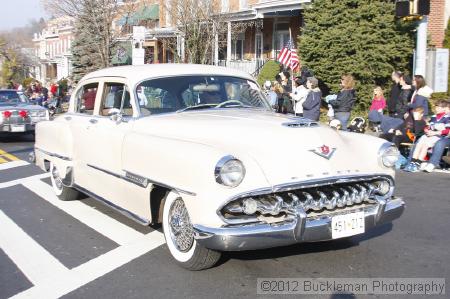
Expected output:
(421, 47)
(413, 10)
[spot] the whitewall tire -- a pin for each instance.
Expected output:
(179, 236)
(63, 192)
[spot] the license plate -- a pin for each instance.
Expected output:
(347, 225)
(17, 128)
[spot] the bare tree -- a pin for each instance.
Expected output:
(199, 23)
(93, 18)
(203, 26)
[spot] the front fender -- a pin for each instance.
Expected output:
(189, 168)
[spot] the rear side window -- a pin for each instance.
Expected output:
(116, 99)
(85, 98)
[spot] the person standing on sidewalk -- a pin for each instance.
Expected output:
(311, 106)
(395, 92)
(299, 95)
(343, 104)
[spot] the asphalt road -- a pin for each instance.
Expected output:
(83, 249)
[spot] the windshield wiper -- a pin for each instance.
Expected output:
(202, 106)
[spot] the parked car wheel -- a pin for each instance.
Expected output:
(179, 235)
(63, 192)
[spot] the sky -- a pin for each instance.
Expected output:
(17, 13)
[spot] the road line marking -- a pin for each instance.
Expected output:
(8, 155)
(24, 180)
(12, 164)
(36, 263)
(58, 286)
(3, 160)
(105, 225)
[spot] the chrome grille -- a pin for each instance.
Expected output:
(316, 198)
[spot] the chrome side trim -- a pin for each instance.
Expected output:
(53, 154)
(140, 180)
(123, 211)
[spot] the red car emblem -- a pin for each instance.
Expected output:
(324, 151)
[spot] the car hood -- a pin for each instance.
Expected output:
(284, 153)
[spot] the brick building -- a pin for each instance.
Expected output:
(52, 48)
(273, 23)
(437, 21)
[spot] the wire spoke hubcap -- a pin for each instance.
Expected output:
(180, 226)
(56, 178)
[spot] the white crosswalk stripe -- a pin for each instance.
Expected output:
(105, 225)
(58, 286)
(51, 279)
(13, 164)
(35, 262)
(24, 180)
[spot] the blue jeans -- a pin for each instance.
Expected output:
(438, 151)
(343, 117)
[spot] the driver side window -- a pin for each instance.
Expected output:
(116, 99)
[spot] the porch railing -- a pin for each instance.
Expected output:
(250, 66)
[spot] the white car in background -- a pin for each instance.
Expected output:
(198, 149)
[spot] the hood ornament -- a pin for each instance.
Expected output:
(324, 151)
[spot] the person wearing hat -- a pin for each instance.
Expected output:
(311, 106)
(299, 95)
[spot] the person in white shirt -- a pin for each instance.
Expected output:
(142, 97)
(299, 95)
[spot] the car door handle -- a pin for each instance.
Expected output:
(67, 118)
(93, 121)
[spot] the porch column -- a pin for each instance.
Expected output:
(216, 48)
(183, 57)
(229, 43)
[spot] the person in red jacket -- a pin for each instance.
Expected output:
(378, 101)
(53, 89)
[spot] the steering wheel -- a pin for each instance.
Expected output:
(229, 102)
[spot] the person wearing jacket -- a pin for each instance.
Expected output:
(311, 106)
(395, 92)
(412, 128)
(421, 94)
(345, 100)
(438, 128)
(299, 95)
(404, 98)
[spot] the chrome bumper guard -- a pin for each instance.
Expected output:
(297, 230)
(7, 127)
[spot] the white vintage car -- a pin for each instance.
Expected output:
(198, 149)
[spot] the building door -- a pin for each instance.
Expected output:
(281, 39)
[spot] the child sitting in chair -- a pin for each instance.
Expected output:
(438, 127)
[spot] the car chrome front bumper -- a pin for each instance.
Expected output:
(300, 229)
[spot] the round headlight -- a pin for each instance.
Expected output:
(229, 171)
(389, 155)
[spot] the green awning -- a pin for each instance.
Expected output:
(122, 53)
(145, 13)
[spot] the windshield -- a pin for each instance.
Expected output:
(183, 93)
(11, 97)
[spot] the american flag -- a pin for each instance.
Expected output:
(288, 56)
